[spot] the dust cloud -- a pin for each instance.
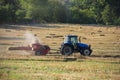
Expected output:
(31, 38)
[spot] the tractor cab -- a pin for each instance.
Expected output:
(72, 39)
(72, 44)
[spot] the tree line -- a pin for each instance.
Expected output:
(60, 11)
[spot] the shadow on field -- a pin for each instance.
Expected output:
(114, 62)
(46, 60)
(106, 56)
(6, 44)
(23, 26)
(7, 26)
(60, 58)
(43, 25)
(11, 38)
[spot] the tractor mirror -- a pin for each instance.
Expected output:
(80, 39)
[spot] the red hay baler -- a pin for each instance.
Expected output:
(37, 48)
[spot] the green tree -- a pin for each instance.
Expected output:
(108, 15)
(72, 11)
(7, 11)
(57, 11)
(82, 12)
(113, 16)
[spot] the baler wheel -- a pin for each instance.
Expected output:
(37, 53)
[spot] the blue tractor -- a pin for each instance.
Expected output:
(71, 45)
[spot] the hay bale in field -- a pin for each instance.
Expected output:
(92, 33)
(80, 27)
(99, 31)
(102, 34)
(54, 43)
(71, 30)
(84, 38)
(70, 59)
(52, 34)
(57, 36)
(48, 37)
(8, 31)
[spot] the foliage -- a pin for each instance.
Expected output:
(64, 11)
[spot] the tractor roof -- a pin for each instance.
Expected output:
(71, 35)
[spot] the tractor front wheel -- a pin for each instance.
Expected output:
(67, 50)
(86, 52)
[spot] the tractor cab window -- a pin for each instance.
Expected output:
(66, 39)
(73, 40)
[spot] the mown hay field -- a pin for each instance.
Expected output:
(103, 64)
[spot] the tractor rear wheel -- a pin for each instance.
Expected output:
(67, 50)
(86, 52)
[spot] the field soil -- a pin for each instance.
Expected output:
(103, 64)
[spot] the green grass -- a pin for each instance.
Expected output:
(81, 69)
